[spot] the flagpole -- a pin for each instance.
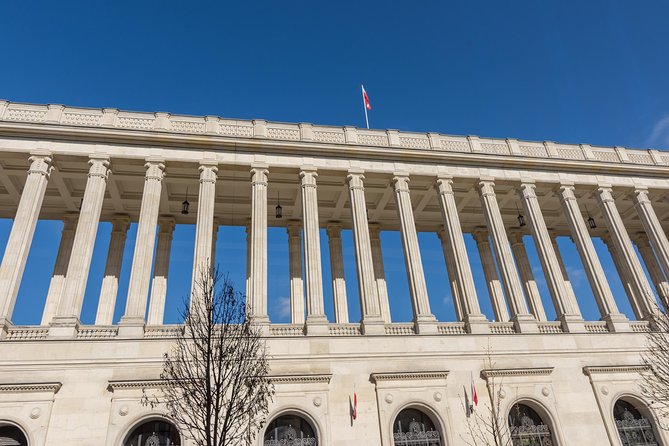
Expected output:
(364, 106)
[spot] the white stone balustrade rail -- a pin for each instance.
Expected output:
(214, 125)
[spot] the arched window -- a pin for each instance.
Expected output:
(155, 432)
(290, 430)
(413, 427)
(527, 428)
(634, 429)
(12, 435)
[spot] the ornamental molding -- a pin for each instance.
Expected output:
(598, 370)
(134, 384)
(507, 373)
(406, 376)
(52, 387)
(300, 379)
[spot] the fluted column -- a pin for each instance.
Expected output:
(527, 276)
(379, 271)
(258, 279)
(563, 268)
(491, 277)
(21, 235)
(651, 224)
(658, 276)
(160, 270)
(214, 240)
(69, 309)
(450, 269)
(109, 288)
(599, 284)
(372, 320)
(337, 270)
(316, 320)
(456, 256)
(627, 256)
(60, 268)
(525, 322)
(294, 230)
(423, 317)
(204, 226)
(625, 276)
(566, 309)
(142, 259)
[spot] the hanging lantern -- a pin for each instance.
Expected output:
(591, 223)
(279, 209)
(521, 219)
(185, 204)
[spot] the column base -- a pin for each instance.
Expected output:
(317, 326)
(131, 327)
(262, 325)
(572, 323)
(373, 326)
(525, 323)
(426, 325)
(477, 324)
(617, 323)
(64, 327)
(5, 325)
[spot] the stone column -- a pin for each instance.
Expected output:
(450, 269)
(524, 321)
(258, 274)
(423, 317)
(109, 288)
(590, 260)
(21, 235)
(316, 323)
(60, 268)
(160, 270)
(652, 265)
(490, 273)
(456, 256)
(204, 227)
(214, 240)
(624, 275)
(379, 272)
(370, 311)
(563, 268)
(337, 270)
(132, 323)
(527, 276)
(294, 230)
(566, 309)
(651, 224)
(67, 320)
(627, 256)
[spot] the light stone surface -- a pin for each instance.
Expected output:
(67, 383)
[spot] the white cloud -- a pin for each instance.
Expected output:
(283, 306)
(659, 137)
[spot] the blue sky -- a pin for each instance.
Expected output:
(565, 71)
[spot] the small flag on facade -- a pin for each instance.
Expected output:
(475, 397)
(366, 104)
(355, 405)
(468, 406)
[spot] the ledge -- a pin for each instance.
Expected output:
(598, 370)
(134, 384)
(300, 379)
(52, 387)
(402, 376)
(504, 373)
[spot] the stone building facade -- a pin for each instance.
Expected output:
(575, 380)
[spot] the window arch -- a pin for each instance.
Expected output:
(154, 432)
(413, 427)
(12, 435)
(633, 427)
(290, 430)
(528, 428)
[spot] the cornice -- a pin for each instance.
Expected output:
(134, 384)
(300, 379)
(404, 376)
(52, 387)
(505, 373)
(598, 370)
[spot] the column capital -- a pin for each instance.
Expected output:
(120, 223)
(441, 233)
(334, 229)
(486, 186)
(605, 193)
(444, 184)
(567, 190)
(166, 224)
(70, 221)
(480, 235)
(401, 181)
(40, 164)
(355, 179)
(516, 237)
(308, 176)
(155, 169)
(528, 190)
(99, 166)
(640, 238)
(374, 230)
(259, 173)
(208, 171)
(293, 227)
(641, 194)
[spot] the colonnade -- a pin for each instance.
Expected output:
(508, 273)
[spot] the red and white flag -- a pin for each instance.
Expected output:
(365, 98)
(475, 397)
(354, 411)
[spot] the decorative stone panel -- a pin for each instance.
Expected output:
(29, 406)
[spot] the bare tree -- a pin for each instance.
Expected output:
(214, 380)
(654, 381)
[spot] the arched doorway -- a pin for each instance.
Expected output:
(155, 432)
(290, 430)
(633, 427)
(528, 428)
(12, 435)
(413, 427)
